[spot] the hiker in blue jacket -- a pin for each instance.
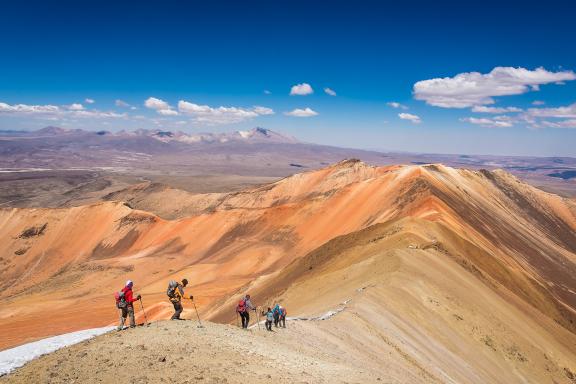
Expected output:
(277, 313)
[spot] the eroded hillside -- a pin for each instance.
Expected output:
(468, 275)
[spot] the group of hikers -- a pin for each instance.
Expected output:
(125, 300)
(276, 315)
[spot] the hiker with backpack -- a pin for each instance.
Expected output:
(243, 308)
(276, 314)
(175, 293)
(125, 303)
(269, 318)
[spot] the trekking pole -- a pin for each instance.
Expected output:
(197, 315)
(143, 311)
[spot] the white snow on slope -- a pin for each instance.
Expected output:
(13, 358)
(326, 316)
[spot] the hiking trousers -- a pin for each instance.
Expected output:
(245, 316)
(276, 319)
(269, 325)
(125, 312)
(283, 321)
(177, 310)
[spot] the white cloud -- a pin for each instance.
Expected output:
(97, 114)
(156, 104)
(28, 109)
(306, 112)
(89, 101)
(76, 107)
(301, 90)
(160, 106)
(497, 122)
(538, 102)
(484, 109)
(263, 110)
(473, 88)
(396, 105)
(570, 123)
(167, 112)
(560, 112)
(221, 115)
(54, 112)
(408, 116)
(329, 91)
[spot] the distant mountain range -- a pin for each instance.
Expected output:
(255, 152)
(254, 135)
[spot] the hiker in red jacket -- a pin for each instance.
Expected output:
(125, 302)
(243, 308)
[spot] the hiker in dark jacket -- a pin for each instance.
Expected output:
(283, 316)
(243, 308)
(126, 305)
(175, 293)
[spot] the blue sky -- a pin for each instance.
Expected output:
(188, 59)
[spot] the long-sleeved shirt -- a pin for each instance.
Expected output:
(248, 303)
(128, 295)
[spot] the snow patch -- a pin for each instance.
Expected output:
(13, 358)
(325, 316)
(245, 134)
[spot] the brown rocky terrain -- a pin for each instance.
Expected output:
(435, 274)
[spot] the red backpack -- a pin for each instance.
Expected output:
(241, 306)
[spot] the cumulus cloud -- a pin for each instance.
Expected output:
(473, 88)
(538, 102)
(160, 106)
(560, 112)
(54, 112)
(156, 104)
(408, 116)
(497, 122)
(306, 112)
(263, 110)
(28, 109)
(220, 115)
(301, 90)
(89, 101)
(76, 107)
(484, 109)
(329, 91)
(557, 117)
(396, 105)
(167, 112)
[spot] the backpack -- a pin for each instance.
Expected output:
(171, 291)
(241, 306)
(120, 300)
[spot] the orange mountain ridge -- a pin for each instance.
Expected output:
(474, 271)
